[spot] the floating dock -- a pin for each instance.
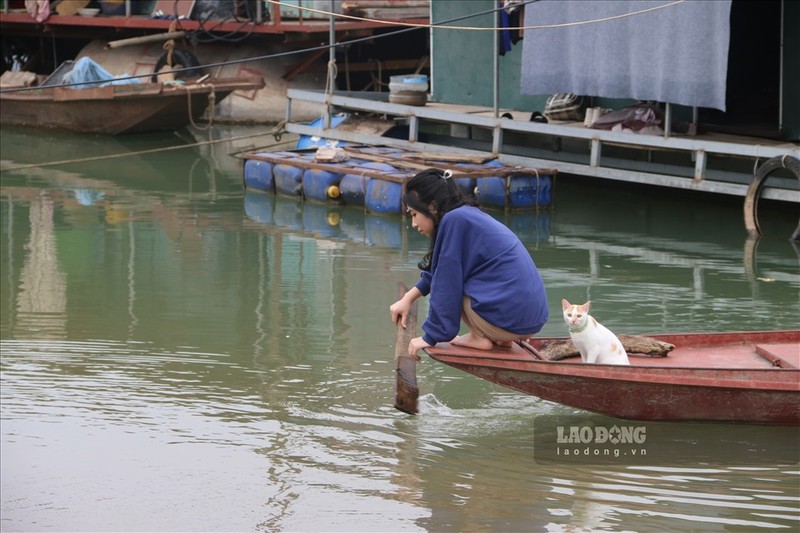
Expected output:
(374, 177)
(718, 163)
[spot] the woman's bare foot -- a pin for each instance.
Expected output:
(473, 341)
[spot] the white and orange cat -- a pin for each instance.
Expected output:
(596, 343)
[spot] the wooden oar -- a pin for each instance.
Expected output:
(406, 390)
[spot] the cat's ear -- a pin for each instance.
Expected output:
(586, 306)
(564, 304)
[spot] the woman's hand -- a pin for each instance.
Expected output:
(416, 344)
(399, 310)
(402, 307)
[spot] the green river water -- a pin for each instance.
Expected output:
(179, 355)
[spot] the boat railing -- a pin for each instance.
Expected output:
(269, 18)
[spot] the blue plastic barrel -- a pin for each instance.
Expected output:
(353, 186)
(545, 190)
(466, 185)
(530, 191)
(288, 179)
(491, 191)
(383, 196)
(524, 191)
(258, 176)
(321, 185)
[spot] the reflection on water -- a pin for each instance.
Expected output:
(41, 302)
(354, 224)
(179, 355)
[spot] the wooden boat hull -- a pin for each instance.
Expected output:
(117, 109)
(723, 377)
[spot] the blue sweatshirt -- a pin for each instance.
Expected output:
(477, 256)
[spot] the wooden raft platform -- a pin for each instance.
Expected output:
(406, 162)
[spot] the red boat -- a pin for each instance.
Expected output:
(750, 377)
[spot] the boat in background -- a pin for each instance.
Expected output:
(119, 109)
(747, 377)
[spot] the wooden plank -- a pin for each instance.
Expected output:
(786, 355)
(406, 390)
(411, 160)
(336, 168)
(389, 160)
(476, 159)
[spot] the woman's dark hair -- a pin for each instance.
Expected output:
(433, 187)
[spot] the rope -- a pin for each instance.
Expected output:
(330, 84)
(332, 73)
(169, 45)
(132, 154)
(278, 131)
(212, 101)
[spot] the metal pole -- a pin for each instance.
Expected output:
(496, 65)
(158, 37)
(331, 63)
(780, 75)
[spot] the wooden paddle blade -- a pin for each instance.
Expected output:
(406, 390)
(407, 393)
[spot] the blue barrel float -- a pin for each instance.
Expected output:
(321, 185)
(258, 175)
(524, 191)
(289, 178)
(382, 196)
(378, 186)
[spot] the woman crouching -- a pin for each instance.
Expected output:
(476, 270)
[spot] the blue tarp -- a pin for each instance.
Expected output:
(87, 70)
